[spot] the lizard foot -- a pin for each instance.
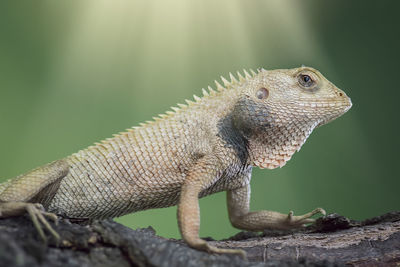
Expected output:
(212, 249)
(300, 221)
(38, 214)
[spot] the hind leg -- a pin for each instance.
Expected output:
(26, 194)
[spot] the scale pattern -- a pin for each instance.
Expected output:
(35, 186)
(234, 128)
(146, 166)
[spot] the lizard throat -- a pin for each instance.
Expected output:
(276, 146)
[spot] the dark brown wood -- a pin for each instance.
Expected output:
(333, 241)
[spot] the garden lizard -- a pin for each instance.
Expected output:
(205, 146)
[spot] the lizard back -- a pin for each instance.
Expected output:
(144, 167)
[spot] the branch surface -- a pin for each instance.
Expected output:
(333, 241)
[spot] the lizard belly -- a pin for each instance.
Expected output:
(110, 186)
(134, 171)
(97, 198)
(85, 193)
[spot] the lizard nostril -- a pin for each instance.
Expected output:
(340, 94)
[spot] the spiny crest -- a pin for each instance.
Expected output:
(241, 78)
(196, 98)
(212, 91)
(225, 81)
(181, 107)
(205, 93)
(247, 75)
(219, 86)
(209, 92)
(233, 81)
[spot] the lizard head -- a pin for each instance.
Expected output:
(277, 110)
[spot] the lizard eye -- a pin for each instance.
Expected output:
(305, 80)
(262, 93)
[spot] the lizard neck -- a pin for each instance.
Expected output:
(275, 146)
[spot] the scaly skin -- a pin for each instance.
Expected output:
(205, 147)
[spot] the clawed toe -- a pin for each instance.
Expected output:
(300, 221)
(37, 214)
(318, 210)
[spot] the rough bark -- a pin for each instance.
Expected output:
(334, 241)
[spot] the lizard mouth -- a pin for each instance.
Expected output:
(325, 110)
(336, 109)
(344, 104)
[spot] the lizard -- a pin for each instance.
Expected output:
(257, 119)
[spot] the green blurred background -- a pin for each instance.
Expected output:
(75, 72)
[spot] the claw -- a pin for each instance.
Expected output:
(290, 216)
(301, 221)
(321, 210)
(38, 214)
(312, 213)
(32, 211)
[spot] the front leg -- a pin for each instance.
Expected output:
(242, 218)
(199, 177)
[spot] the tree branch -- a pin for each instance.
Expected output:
(334, 240)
